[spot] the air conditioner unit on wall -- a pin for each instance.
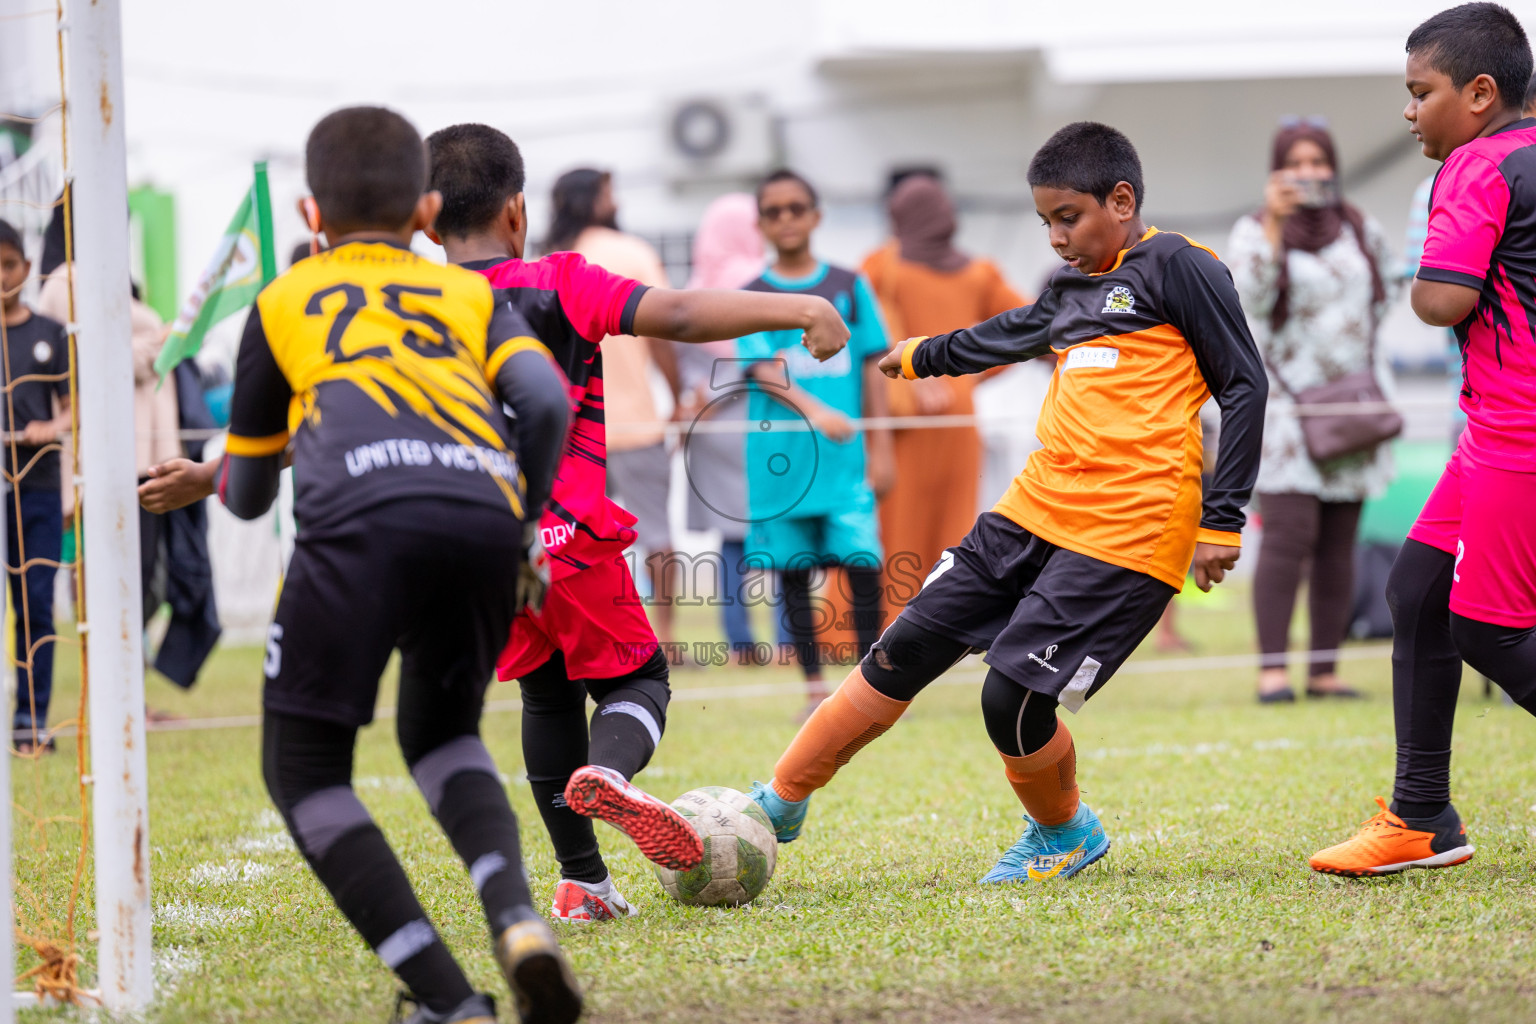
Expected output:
(717, 138)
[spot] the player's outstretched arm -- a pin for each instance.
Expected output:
(1013, 336)
(720, 315)
(1201, 301)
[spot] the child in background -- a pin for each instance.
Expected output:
(36, 348)
(810, 496)
(727, 253)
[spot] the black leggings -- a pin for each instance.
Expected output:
(908, 657)
(630, 716)
(1304, 536)
(1429, 643)
(801, 617)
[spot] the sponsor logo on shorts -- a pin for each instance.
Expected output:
(1045, 662)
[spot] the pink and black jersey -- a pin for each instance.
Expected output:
(1482, 234)
(572, 305)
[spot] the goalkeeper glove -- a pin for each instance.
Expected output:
(533, 573)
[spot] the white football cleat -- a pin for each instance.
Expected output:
(586, 902)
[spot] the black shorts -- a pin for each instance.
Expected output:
(435, 578)
(1050, 619)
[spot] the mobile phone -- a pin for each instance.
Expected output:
(1316, 193)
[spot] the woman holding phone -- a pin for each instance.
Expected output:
(1313, 274)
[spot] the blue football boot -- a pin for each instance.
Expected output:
(1044, 852)
(786, 816)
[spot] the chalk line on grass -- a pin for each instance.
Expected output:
(186, 914)
(228, 873)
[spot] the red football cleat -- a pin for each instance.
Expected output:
(663, 835)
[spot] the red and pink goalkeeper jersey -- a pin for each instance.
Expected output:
(1482, 234)
(572, 305)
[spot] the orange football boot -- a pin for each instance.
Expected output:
(1386, 845)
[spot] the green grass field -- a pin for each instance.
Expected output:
(1204, 909)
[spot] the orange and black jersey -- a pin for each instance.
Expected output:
(386, 374)
(1139, 349)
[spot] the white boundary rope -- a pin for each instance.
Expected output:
(964, 676)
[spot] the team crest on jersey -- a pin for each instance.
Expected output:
(1119, 300)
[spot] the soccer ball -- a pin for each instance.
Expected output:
(739, 850)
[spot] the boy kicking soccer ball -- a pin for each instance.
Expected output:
(385, 374)
(591, 637)
(1065, 577)
(1464, 584)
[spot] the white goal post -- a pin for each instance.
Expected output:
(111, 625)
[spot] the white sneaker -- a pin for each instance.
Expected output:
(586, 902)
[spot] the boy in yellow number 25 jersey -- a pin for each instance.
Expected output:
(383, 375)
(1069, 573)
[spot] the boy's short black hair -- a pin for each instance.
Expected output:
(367, 168)
(11, 237)
(1477, 39)
(785, 174)
(1090, 157)
(477, 169)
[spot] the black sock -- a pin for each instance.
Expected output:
(554, 746)
(1426, 677)
(463, 789)
(1409, 811)
(479, 821)
(370, 887)
(865, 590)
(307, 766)
(630, 717)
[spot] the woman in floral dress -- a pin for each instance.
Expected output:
(1314, 276)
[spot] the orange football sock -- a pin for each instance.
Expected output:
(1046, 780)
(845, 722)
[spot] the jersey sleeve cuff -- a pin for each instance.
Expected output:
(906, 357)
(255, 447)
(511, 348)
(1223, 538)
(631, 304)
(1444, 275)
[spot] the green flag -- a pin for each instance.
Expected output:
(240, 268)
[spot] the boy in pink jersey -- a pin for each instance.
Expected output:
(591, 637)
(1464, 586)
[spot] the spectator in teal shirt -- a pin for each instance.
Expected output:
(811, 492)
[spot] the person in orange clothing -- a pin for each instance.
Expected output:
(926, 286)
(1071, 570)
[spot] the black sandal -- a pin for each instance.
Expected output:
(1342, 693)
